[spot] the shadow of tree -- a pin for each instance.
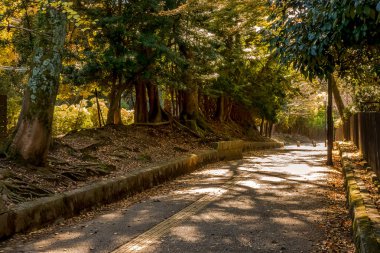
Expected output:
(271, 203)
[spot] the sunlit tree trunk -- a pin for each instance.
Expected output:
(330, 123)
(337, 98)
(114, 112)
(32, 136)
(340, 105)
(270, 130)
(262, 126)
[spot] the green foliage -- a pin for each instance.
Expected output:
(83, 115)
(14, 108)
(71, 117)
(316, 36)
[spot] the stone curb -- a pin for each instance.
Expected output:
(365, 217)
(34, 214)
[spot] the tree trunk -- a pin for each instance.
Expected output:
(141, 108)
(179, 102)
(190, 107)
(32, 136)
(190, 104)
(330, 123)
(114, 112)
(220, 109)
(340, 105)
(173, 102)
(155, 110)
(267, 128)
(229, 106)
(337, 98)
(270, 129)
(262, 126)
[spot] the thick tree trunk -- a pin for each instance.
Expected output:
(330, 123)
(141, 108)
(114, 112)
(155, 110)
(190, 107)
(190, 104)
(32, 136)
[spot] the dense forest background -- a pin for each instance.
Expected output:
(71, 65)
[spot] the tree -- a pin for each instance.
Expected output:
(31, 138)
(317, 37)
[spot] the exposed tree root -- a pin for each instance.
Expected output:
(16, 190)
(153, 123)
(80, 172)
(180, 126)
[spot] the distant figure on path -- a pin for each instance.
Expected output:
(298, 143)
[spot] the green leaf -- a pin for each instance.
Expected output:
(367, 10)
(352, 12)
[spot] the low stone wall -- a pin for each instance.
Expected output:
(34, 214)
(261, 145)
(365, 216)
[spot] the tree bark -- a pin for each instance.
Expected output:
(190, 104)
(155, 110)
(330, 123)
(114, 112)
(267, 128)
(32, 136)
(337, 98)
(220, 109)
(262, 126)
(141, 108)
(270, 129)
(179, 102)
(340, 105)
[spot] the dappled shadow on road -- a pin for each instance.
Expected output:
(270, 202)
(274, 205)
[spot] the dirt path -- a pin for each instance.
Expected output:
(273, 201)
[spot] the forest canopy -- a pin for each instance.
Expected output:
(68, 65)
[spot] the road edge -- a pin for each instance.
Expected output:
(365, 219)
(35, 214)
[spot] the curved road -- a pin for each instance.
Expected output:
(270, 201)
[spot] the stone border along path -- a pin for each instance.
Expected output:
(35, 214)
(364, 214)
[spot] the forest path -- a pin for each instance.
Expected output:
(270, 201)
